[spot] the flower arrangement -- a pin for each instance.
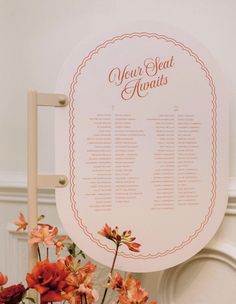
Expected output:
(67, 279)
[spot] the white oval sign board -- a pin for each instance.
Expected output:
(144, 145)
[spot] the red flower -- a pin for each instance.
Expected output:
(49, 279)
(12, 294)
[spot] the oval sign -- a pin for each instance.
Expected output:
(144, 145)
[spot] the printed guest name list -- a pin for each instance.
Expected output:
(143, 149)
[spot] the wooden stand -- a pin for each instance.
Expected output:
(35, 181)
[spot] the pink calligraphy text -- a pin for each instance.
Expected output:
(140, 80)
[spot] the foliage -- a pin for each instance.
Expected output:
(68, 279)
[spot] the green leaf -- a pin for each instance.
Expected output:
(74, 250)
(82, 253)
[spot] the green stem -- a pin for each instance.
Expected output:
(47, 252)
(112, 268)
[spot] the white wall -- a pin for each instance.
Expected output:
(36, 36)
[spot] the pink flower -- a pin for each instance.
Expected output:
(21, 222)
(44, 234)
(3, 279)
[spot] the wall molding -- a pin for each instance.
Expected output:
(221, 252)
(13, 188)
(13, 180)
(232, 188)
(19, 195)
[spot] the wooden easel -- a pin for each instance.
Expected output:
(35, 181)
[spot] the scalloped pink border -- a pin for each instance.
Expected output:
(72, 148)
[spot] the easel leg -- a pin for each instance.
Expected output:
(32, 176)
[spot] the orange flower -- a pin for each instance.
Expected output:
(76, 296)
(73, 280)
(3, 279)
(88, 268)
(130, 290)
(80, 285)
(107, 232)
(130, 283)
(116, 282)
(44, 234)
(59, 244)
(49, 279)
(83, 275)
(21, 222)
(138, 294)
(132, 246)
(120, 238)
(79, 275)
(72, 264)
